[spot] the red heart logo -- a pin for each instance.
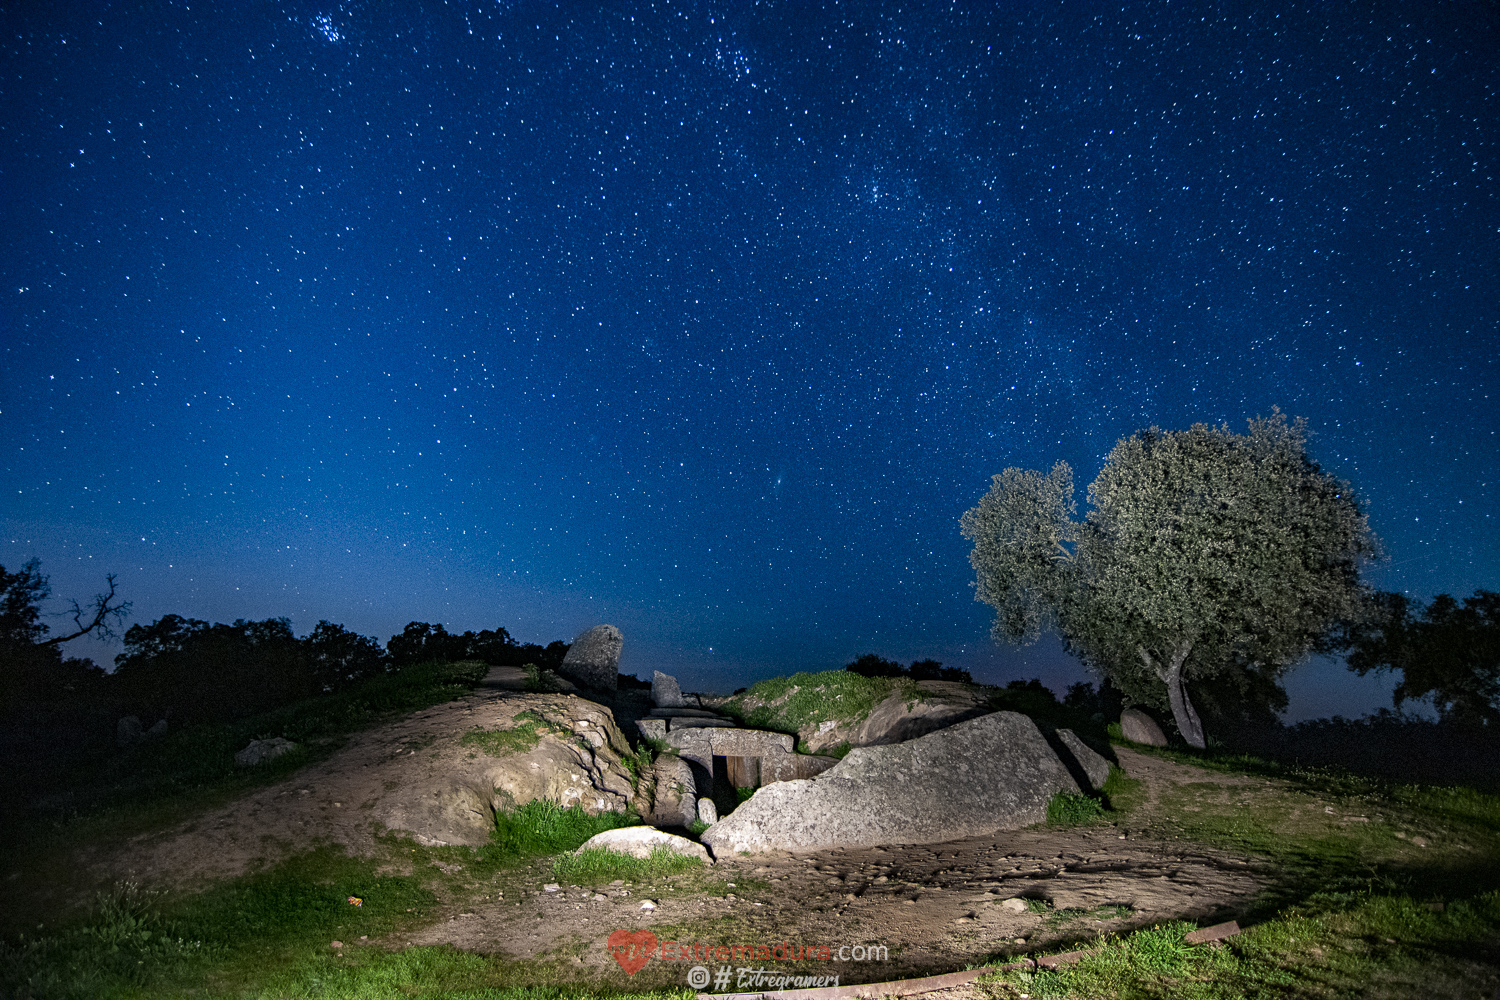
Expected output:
(632, 951)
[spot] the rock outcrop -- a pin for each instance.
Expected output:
(1138, 727)
(593, 661)
(561, 748)
(996, 772)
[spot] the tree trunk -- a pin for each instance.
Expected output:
(1188, 723)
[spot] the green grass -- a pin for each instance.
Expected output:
(804, 700)
(501, 742)
(1073, 809)
(597, 866)
(269, 935)
(1337, 946)
(542, 827)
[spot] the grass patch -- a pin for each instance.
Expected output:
(501, 742)
(1340, 946)
(269, 935)
(597, 866)
(1073, 809)
(541, 827)
(801, 701)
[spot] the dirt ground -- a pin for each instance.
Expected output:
(936, 908)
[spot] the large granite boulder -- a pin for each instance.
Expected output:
(665, 692)
(593, 660)
(1088, 768)
(996, 772)
(1138, 727)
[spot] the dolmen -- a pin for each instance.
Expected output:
(996, 772)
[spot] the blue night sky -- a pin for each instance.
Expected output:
(709, 320)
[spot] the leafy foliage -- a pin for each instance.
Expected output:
(421, 641)
(1446, 651)
(1205, 554)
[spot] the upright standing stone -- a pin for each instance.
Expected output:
(594, 659)
(1138, 727)
(664, 691)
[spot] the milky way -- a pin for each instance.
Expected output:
(710, 320)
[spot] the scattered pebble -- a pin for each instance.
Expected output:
(599, 897)
(551, 887)
(336, 944)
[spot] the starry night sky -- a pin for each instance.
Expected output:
(709, 320)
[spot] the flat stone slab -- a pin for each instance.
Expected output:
(684, 713)
(652, 729)
(699, 722)
(731, 741)
(996, 772)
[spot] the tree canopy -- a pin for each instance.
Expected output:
(1447, 652)
(1205, 554)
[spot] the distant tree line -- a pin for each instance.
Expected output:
(871, 665)
(187, 670)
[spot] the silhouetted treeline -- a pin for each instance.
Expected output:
(871, 665)
(186, 670)
(421, 642)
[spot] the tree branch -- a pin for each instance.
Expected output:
(104, 612)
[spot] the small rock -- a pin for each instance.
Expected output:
(648, 905)
(551, 887)
(260, 751)
(1014, 905)
(599, 897)
(336, 944)
(707, 811)
(618, 882)
(1419, 841)
(640, 841)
